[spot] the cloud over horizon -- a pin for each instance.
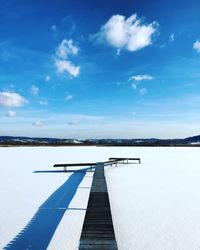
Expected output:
(38, 124)
(95, 63)
(73, 122)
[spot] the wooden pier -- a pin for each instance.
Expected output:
(98, 232)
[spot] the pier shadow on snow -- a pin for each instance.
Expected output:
(38, 233)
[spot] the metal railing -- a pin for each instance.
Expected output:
(91, 165)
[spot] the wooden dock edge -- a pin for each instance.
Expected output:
(98, 231)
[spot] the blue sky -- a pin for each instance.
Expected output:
(99, 69)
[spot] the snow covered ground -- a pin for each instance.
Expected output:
(155, 205)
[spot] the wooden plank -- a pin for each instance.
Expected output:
(98, 232)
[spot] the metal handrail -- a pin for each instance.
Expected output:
(112, 161)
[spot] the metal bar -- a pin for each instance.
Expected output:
(73, 165)
(110, 162)
(116, 158)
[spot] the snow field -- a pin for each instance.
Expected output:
(155, 205)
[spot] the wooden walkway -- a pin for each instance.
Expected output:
(98, 232)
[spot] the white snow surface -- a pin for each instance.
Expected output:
(155, 205)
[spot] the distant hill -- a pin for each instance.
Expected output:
(36, 141)
(193, 139)
(18, 140)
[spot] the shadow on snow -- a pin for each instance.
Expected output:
(38, 232)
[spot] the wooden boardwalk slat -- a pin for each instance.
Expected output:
(98, 232)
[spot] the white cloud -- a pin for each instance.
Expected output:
(11, 99)
(136, 81)
(134, 85)
(37, 124)
(44, 102)
(141, 77)
(171, 37)
(138, 78)
(62, 63)
(196, 46)
(69, 97)
(143, 91)
(131, 33)
(47, 78)
(11, 113)
(34, 90)
(66, 48)
(66, 66)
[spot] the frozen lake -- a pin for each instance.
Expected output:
(155, 205)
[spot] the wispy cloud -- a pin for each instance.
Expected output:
(66, 66)
(11, 113)
(144, 124)
(196, 46)
(137, 79)
(47, 78)
(11, 99)
(172, 37)
(62, 63)
(69, 97)
(131, 34)
(43, 102)
(66, 48)
(74, 122)
(34, 90)
(38, 124)
(143, 91)
(53, 28)
(141, 77)
(134, 86)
